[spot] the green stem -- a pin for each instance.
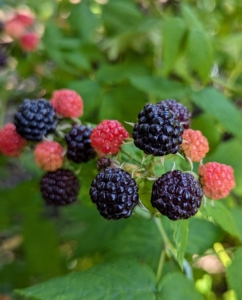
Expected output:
(130, 156)
(171, 248)
(160, 265)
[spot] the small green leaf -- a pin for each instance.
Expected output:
(90, 92)
(237, 216)
(215, 103)
(202, 235)
(83, 20)
(221, 216)
(124, 280)
(160, 87)
(206, 123)
(234, 275)
(199, 53)
(173, 33)
(180, 237)
(176, 286)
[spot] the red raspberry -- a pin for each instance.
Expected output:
(29, 41)
(194, 145)
(14, 28)
(216, 179)
(107, 137)
(67, 103)
(25, 20)
(11, 143)
(49, 155)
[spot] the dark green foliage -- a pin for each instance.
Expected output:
(119, 56)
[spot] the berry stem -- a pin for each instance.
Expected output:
(130, 156)
(171, 248)
(160, 265)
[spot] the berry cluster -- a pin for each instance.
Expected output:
(162, 129)
(20, 28)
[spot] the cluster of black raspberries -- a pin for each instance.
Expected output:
(158, 132)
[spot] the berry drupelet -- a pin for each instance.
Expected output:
(195, 145)
(60, 187)
(176, 195)
(34, 119)
(216, 179)
(179, 110)
(158, 131)
(115, 193)
(108, 136)
(79, 148)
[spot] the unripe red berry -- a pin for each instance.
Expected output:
(108, 136)
(194, 145)
(11, 143)
(67, 103)
(29, 42)
(49, 155)
(14, 28)
(216, 179)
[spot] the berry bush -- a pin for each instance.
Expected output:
(120, 150)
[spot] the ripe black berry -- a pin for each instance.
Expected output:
(177, 195)
(79, 147)
(115, 193)
(158, 130)
(35, 119)
(60, 187)
(180, 111)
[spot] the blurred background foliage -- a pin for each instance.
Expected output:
(120, 54)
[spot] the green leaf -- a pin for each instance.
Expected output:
(160, 87)
(207, 124)
(124, 280)
(90, 92)
(139, 238)
(199, 53)
(234, 275)
(41, 247)
(120, 15)
(78, 60)
(145, 189)
(237, 216)
(202, 235)
(176, 286)
(190, 17)
(114, 104)
(180, 237)
(173, 33)
(83, 20)
(119, 72)
(220, 215)
(215, 103)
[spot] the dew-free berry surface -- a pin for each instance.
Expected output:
(115, 193)
(49, 155)
(176, 195)
(79, 148)
(195, 145)
(60, 187)
(108, 136)
(11, 143)
(158, 131)
(217, 179)
(180, 111)
(67, 103)
(34, 119)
